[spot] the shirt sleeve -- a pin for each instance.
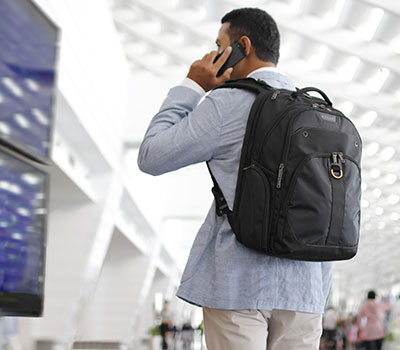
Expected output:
(181, 133)
(191, 84)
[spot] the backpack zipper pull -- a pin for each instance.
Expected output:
(335, 157)
(249, 167)
(336, 166)
(341, 157)
(275, 94)
(280, 175)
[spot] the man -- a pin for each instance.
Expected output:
(250, 300)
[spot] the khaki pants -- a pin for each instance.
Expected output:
(261, 330)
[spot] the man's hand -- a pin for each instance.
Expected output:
(204, 71)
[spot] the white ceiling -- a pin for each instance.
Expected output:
(349, 48)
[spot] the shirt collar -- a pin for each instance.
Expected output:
(266, 69)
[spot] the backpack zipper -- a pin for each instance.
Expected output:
(280, 175)
(322, 106)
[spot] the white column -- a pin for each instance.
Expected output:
(93, 267)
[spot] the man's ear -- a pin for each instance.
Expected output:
(246, 43)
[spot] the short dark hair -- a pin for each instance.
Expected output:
(261, 29)
(371, 294)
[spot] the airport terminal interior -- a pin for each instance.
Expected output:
(108, 243)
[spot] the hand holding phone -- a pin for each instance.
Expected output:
(214, 69)
(237, 54)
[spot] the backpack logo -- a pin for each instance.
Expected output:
(328, 117)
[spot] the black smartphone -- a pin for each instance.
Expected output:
(237, 54)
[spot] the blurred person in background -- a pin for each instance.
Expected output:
(394, 324)
(371, 322)
(351, 331)
(166, 327)
(330, 320)
(187, 335)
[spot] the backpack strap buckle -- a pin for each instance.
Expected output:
(221, 205)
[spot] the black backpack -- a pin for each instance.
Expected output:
(299, 183)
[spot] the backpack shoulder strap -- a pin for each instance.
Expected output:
(249, 84)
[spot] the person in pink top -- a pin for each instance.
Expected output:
(371, 322)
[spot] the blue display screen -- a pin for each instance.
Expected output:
(22, 225)
(27, 72)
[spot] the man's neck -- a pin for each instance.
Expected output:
(257, 65)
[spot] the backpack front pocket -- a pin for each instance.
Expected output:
(323, 201)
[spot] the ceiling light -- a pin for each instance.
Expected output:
(297, 5)
(395, 216)
(367, 29)
(372, 149)
(335, 13)
(368, 118)
(379, 211)
(364, 186)
(387, 153)
(366, 217)
(377, 192)
(376, 82)
(349, 68)
(368, 226)
(284, 50)
(364, 203)
(375, 173)
(395, 43)
(390, 179)
(318, 58)
(381, 225)
(346, 107)
(393, 199)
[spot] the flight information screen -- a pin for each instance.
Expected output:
(23, 215)
(28, 47)
(23, 218)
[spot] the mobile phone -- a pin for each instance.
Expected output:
(237, 54)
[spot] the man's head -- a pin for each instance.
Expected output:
(371, 295)
(257, 32)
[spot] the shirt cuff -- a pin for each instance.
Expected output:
(191, 84)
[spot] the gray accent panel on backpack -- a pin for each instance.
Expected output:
(323, 120)
(351, 222)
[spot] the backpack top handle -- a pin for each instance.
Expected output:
(295, 94)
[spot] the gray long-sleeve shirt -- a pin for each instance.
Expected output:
(222, 273)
